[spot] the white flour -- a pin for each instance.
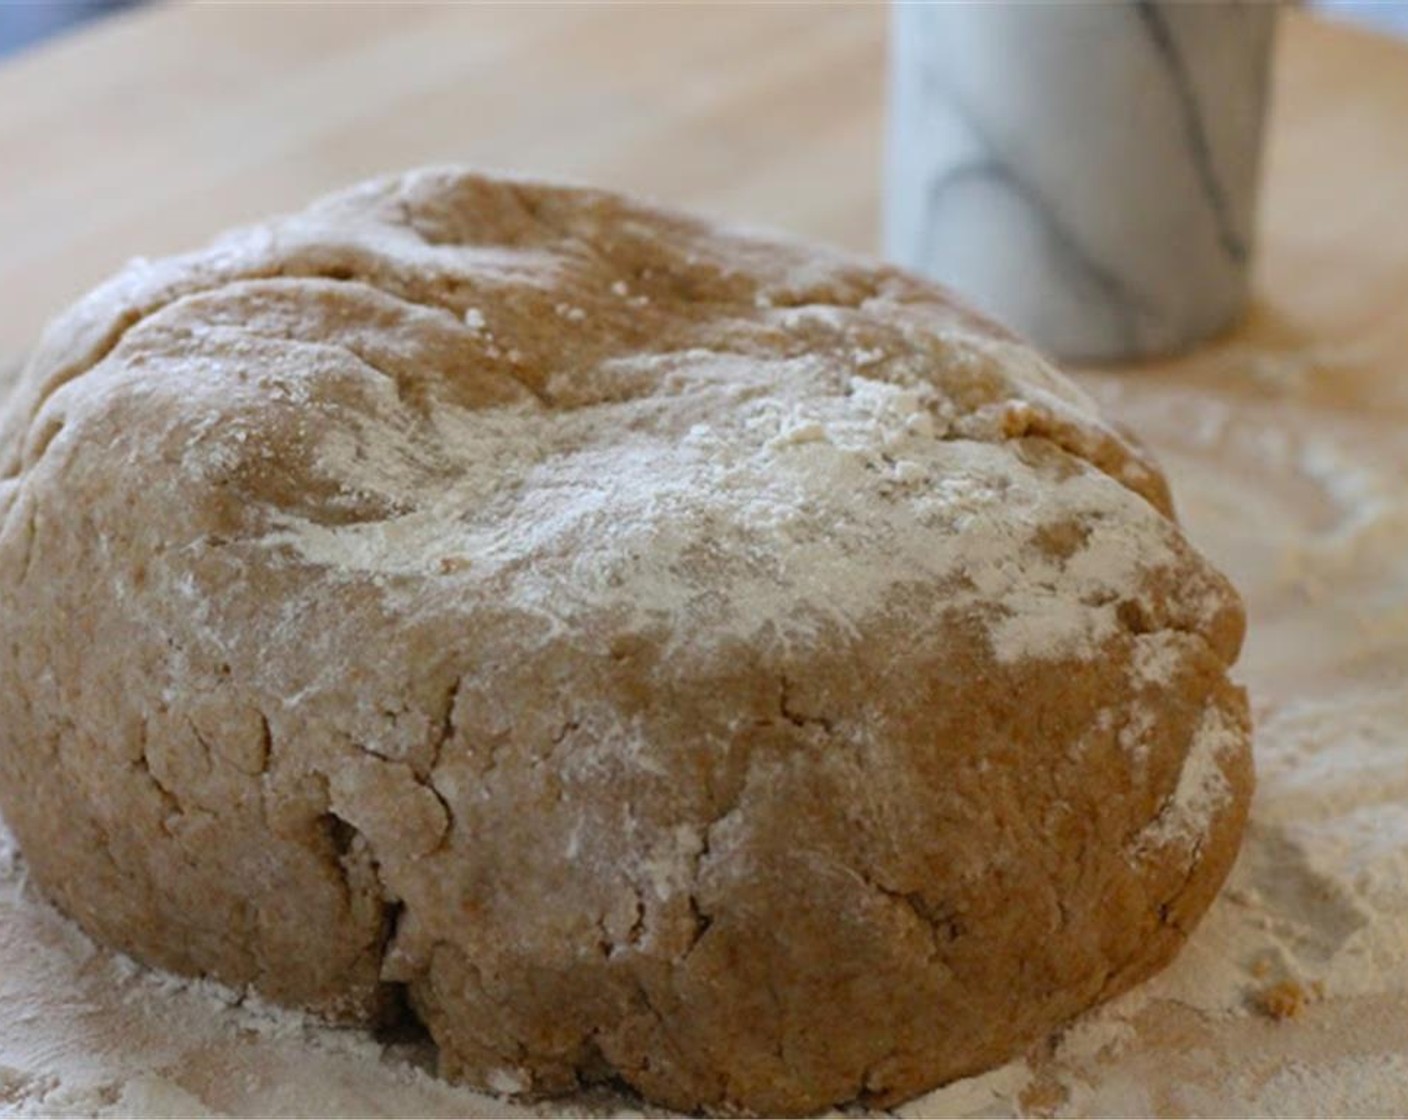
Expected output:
(702, 491)
(1201, 788)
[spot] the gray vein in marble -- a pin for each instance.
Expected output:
(1166, 46)
(1086, 172)
(993, 167)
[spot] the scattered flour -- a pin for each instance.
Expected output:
(561, 517)
(1201, 790)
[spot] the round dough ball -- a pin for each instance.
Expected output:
(637, 649)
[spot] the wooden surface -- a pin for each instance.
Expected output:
(158, 129)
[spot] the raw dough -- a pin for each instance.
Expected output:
(643, 650)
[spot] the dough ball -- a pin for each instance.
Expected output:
(638, 649)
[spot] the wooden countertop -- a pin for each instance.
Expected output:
(1287, 441)
(162, 126)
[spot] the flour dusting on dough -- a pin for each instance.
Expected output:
(366, 422)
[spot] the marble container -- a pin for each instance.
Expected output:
(1086, 173)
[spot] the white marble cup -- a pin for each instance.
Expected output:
(1084, 172)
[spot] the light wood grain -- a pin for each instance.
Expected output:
(1332, 266)
(162, 127)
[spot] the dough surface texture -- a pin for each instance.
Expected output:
(639, 649)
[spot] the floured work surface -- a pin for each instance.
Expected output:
(1287, 465)
(1287, 451)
